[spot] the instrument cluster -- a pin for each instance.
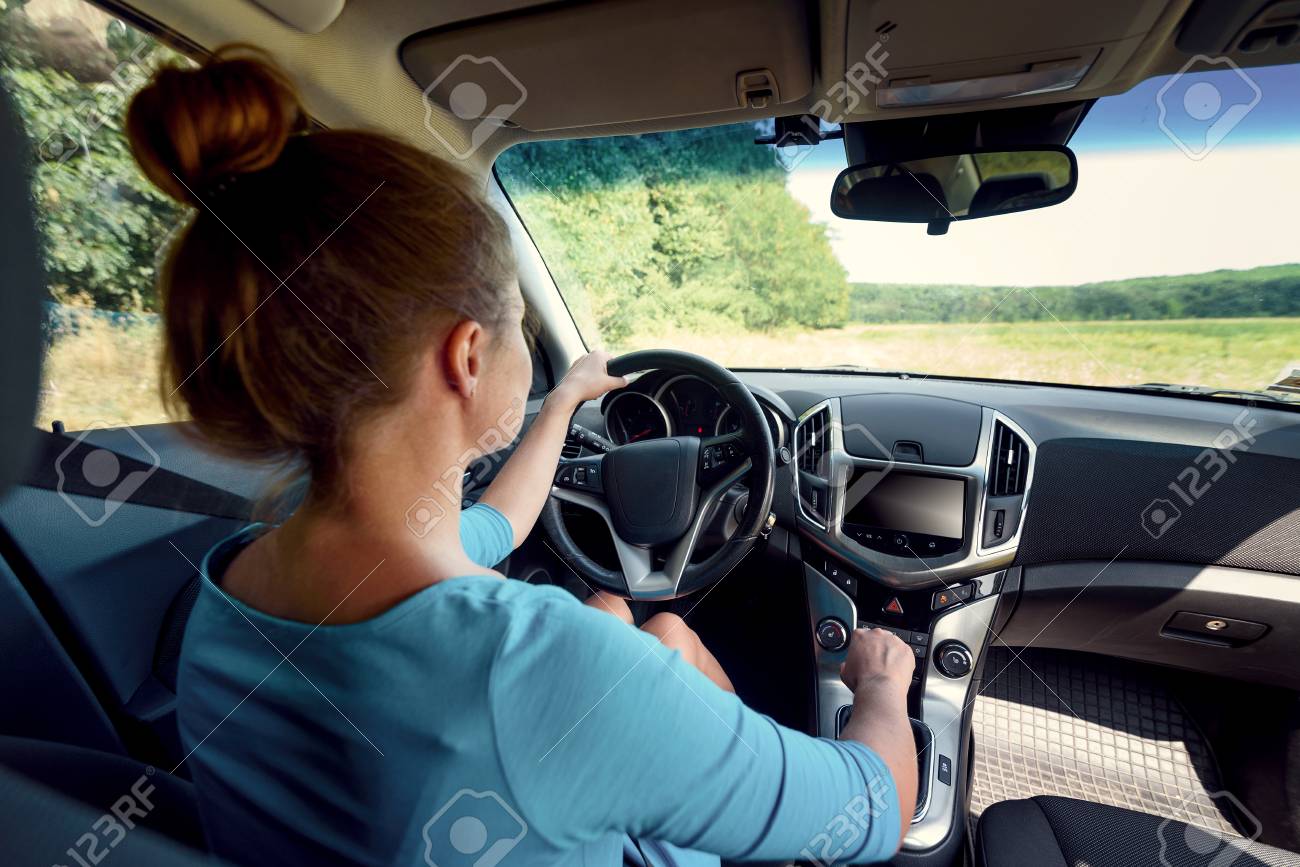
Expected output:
(684, 405)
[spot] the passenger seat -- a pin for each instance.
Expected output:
(1063, 832)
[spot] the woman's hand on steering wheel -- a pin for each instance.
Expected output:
(586, 380)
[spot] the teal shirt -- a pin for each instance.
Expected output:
(483, 721)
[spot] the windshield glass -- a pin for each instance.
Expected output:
(1174, 262)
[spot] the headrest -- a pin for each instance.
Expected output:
(22, 289)
(996, 193)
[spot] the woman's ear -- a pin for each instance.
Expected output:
(462, 357)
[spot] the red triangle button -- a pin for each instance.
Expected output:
(894, 606)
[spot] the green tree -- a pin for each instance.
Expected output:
(102, 222)
(667, 229)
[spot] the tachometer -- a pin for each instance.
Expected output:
(631, 416)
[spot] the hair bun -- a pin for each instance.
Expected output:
(191, 129)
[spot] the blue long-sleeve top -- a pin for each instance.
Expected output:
(485, 721)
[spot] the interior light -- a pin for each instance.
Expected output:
(1040, 78)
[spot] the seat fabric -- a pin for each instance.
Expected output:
(99, 779)
(1063, 832)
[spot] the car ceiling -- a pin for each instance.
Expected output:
(620, 66)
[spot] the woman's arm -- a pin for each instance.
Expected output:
(521, 487)
(601, 729)
(879, 671)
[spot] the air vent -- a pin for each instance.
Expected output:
(1010, 470)
(571, 450)
(810, 442)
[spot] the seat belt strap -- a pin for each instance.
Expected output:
(62, 464)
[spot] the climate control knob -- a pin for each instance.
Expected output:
(832, 634)
(953, 659)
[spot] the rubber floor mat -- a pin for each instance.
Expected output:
(1053, 723)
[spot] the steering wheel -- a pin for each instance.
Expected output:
(656, 495)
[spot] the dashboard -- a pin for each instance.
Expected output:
(916, 483)
(955, 513)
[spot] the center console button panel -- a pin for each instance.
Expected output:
(950, 596)
(901, 544)
(918, 641)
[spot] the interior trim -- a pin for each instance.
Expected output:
(1120, 610)
(943, 706)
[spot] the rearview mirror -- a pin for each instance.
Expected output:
(964, 186)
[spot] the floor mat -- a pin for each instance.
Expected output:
(1052, 723)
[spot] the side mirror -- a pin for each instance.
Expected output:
(940, 189)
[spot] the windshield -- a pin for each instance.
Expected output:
(1174, 262)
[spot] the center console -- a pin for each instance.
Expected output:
(910, 514)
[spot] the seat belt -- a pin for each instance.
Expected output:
(59, 465)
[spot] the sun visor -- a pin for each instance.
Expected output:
(590, 64)
(309, 16)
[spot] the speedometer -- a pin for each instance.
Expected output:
(631, 416)
(693, 405)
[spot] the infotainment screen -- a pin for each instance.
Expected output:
(907, 502)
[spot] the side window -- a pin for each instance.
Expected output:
(71, 69)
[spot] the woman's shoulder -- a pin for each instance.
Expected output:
(514, 609)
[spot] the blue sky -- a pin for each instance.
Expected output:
(1130, 121)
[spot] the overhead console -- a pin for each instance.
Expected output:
(938, 53)
(912, 491)
(559, 66)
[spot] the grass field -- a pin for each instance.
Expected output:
(1225, 353)
(109, 375)
(102, 375)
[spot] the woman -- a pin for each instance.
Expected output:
(355, 692)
